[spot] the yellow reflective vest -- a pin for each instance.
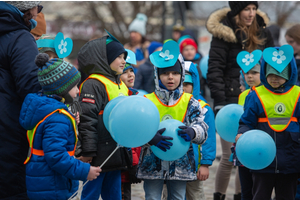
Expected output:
(176, 111)
(242, 97)
(278, 107)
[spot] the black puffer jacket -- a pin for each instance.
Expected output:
(223, 70)
(95, 140)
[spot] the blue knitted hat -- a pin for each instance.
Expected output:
(56, 76)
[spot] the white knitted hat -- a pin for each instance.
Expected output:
(23, 5)
(139, 24)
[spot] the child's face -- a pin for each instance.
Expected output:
(118, 64)
(275, 81)
(252, 78)
(51, 54)
(188, 88)
(189, 52)
(128, 77)
(74, 91)
(170, 79)
(293, 43)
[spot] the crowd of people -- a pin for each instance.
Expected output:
(52, 130)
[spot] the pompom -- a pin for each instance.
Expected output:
(142, 17)
(41, 59)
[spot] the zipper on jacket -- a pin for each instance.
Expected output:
(276, 171)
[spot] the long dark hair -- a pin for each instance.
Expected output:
(252, 34)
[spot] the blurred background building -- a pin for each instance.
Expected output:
(85, 20)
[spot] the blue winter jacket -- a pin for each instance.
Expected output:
(208, 149)
(18, 77)
(287, 158)
(54, 175)
(150, 166)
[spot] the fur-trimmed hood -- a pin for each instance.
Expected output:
(215, 26)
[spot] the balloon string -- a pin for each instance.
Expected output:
(118, 146)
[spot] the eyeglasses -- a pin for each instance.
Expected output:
(40, 8)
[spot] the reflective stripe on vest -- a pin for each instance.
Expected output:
(112, 89)
(203, 103)
(242, 97)
(31, 134)
(176, 111)
(278, 107)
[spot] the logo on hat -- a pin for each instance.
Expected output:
(166, 117)
(279, 108)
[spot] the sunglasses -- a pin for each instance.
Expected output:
(40, 8)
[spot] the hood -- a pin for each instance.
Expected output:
(192, 69)
(215, 26)
(287, 85)
(92, 59)
(11, 19)
(166, 96)
(35, 107)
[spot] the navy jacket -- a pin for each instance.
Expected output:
(287, 142)
(144, 78)
(18, 77)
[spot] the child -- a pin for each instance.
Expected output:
(206, 153)
(252, 78)
(129, 176)
(103, 59)
(46, 45)
(169, 76)
(273, 107)
(189, 51)
(51, 170)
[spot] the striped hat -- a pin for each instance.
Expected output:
(56, 76)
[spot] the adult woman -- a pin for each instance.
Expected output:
(138, 43)
(293, 38)
(18, 77)
(241, 28)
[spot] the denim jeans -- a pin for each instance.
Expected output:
(108, 185)
(153, 189)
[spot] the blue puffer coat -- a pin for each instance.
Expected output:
(150, 166)
(18, 77)
(287, 158)
(54, 175)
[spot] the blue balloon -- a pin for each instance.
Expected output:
(227, 121)
(134, 121)
(108, 108)
(204, 66)
(142, 92)
(180, 146)
(256, 149)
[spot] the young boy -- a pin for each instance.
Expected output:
(204, 154)
(172, 102)
(46, 45)
(103, 60)
(129, 176)
(51, 170)
(252, 78)
(274, 108)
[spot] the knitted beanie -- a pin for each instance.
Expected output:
(175, 68)
(284, 74)
(237, 6)
(45, 49)
(187, 41)
(56, 76)
(113, 50)
(40, 28)
(256, 68)
(23, 5)
(139, 24)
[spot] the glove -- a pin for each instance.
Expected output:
(187, 133)
(160, 141)
(132, 175)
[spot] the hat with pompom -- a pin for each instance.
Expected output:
(23, 5)
(139, 24)
(56, 76)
